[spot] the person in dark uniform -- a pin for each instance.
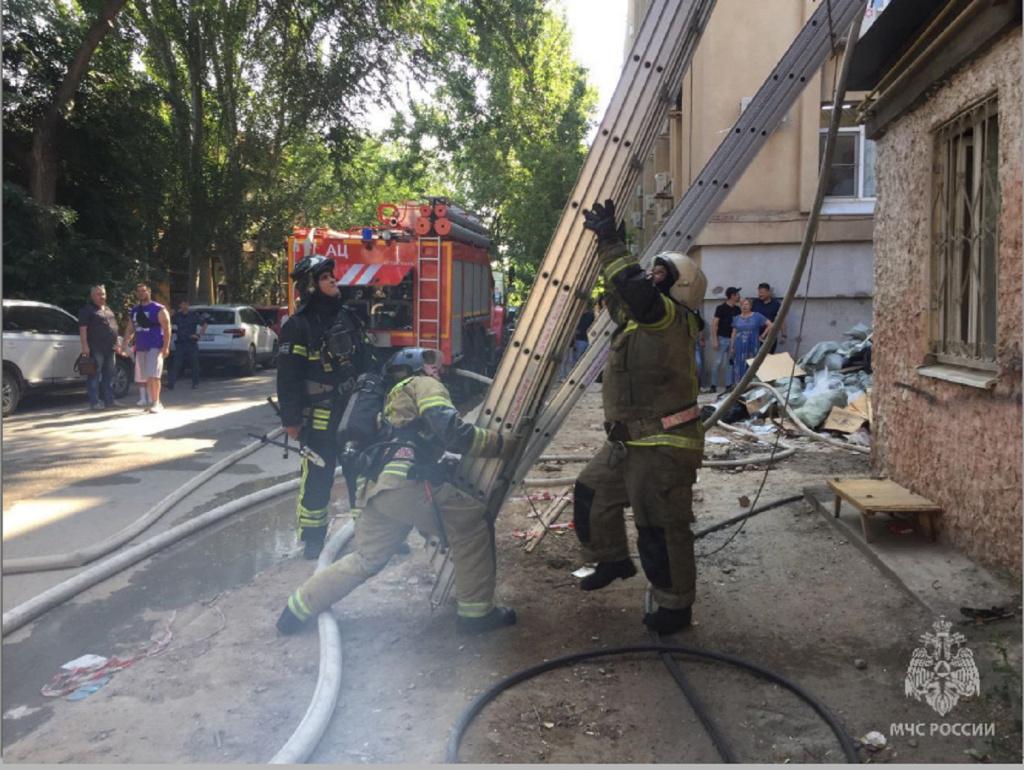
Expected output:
(323, 350)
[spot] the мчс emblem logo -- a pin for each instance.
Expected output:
(942, 671)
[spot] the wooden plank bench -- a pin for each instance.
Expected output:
(871, 496)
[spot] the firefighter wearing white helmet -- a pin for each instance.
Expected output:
(323, 349)
(655, 437)
(405, 484)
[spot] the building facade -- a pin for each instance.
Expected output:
(945, 113)
(755, 235)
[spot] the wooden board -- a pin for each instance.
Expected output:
(880, 495)
(775, 366)
(844, 419)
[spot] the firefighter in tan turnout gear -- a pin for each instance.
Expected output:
(404, 485)
(655, 437)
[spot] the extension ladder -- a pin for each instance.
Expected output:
(662, 50)
(805, 56)
(647, 88)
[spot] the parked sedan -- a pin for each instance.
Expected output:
(40, 347)
(237, 335)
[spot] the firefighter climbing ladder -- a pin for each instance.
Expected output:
(663, 47)
(428, 308)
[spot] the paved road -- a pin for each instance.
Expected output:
(73, 477)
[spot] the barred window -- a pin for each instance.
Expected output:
(965, 215)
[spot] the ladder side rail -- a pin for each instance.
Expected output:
(540, 358)
(549, 295)
(770, 104)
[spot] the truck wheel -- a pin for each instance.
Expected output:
(11, 392)
(123, 374)
(248, 365)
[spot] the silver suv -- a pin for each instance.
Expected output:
(40, 347)
(237, 335)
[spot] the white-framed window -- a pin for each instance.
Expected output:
(852, 175)
(965, 237)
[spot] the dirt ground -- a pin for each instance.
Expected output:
(787, 593)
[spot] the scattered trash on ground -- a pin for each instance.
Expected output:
(583, 572)
(86, 674)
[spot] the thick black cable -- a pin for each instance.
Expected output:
(743, 517)
(675, 670)
(478, 704)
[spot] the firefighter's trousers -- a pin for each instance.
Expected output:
(657, 482)
(383, 526)
(315, 485)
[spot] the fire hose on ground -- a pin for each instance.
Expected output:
(90, 553)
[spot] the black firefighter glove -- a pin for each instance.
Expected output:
(601, 219)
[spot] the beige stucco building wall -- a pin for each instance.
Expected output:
(756, 233)
(957, 444)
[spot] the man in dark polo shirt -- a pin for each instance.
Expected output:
(721, 334)
(97, 329)
(189, 326)
(769, 307)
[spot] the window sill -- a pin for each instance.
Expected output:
(974, 378)
(848, 206)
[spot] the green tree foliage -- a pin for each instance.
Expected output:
(507, 115)
(203, 130)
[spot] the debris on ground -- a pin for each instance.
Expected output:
(873, 741)
(87, 673)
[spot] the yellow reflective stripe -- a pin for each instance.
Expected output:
(399, 468)
(431, 401)
(631, 326)
(479, 440)
(299, 350)
(474, 609)
(617, 266)
(324, 413)
(669, 439)
(298, 607)
(314, 356)
(664, 323)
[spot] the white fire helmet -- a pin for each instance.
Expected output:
(688, 280)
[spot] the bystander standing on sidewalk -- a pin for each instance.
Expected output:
(188, 327)
(97, 328)
(151, 329)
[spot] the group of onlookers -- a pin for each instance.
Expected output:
(149, 337)
(738, 328)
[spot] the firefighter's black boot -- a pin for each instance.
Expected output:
(313, 537)
(666, 621)
(288, 624)
(499, 617)
(606, 572)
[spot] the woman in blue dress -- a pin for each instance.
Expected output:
(748, 330)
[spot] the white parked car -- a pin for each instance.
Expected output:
(237, 335)
(40, 347)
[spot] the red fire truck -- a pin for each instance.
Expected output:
(422, 277)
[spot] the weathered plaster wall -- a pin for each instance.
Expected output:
(959, 445)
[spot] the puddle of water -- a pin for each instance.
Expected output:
(219, 558)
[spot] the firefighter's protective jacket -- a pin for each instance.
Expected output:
(308, 374)
(420, 412)
(651, 372)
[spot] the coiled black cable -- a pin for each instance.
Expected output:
(666, 652)
(474, 709)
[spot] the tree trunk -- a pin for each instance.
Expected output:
(43, 157)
